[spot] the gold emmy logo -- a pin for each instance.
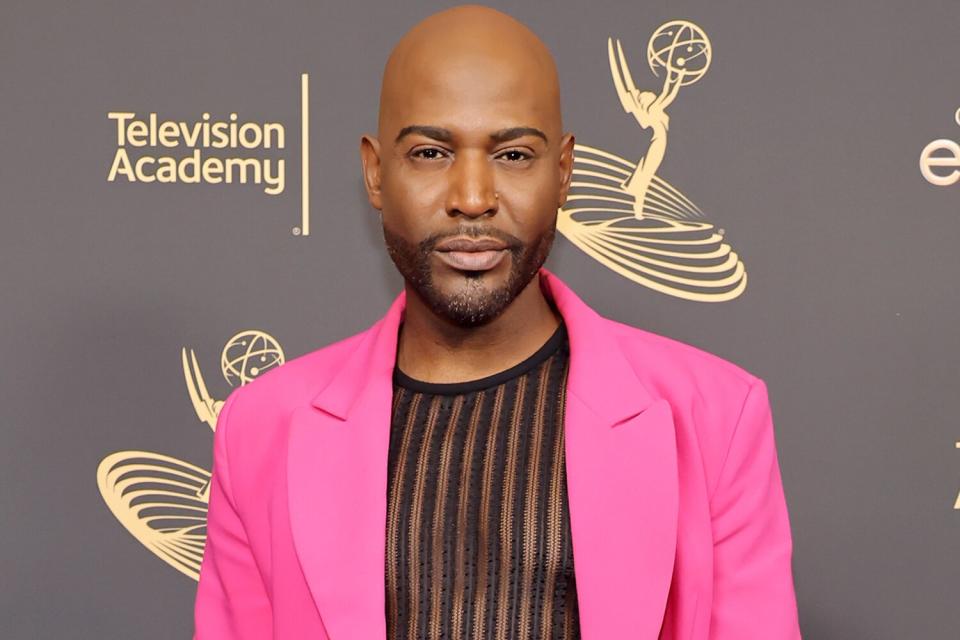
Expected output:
(933, 156)
(626, 216)
(162, 501)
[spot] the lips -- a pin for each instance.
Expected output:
(472, 254)
(470, 244)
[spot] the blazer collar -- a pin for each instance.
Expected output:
(615, 396)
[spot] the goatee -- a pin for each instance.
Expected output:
(474, 304)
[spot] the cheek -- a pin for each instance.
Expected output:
(406, 213)
(533, 202)
(412, 197)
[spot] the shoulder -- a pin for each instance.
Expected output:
(669, 360)
(707, 393)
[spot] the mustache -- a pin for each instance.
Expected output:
(512, 242)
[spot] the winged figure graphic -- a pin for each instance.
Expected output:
(627, 217)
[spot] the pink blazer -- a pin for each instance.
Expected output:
(679, 522)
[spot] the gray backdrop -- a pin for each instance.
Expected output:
(802, 143)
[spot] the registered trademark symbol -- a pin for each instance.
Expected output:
(721, 231)
(296, 231)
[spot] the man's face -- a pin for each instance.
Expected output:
(470, 176)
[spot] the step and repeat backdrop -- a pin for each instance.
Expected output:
(182, 210)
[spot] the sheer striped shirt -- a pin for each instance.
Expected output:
(478, 526)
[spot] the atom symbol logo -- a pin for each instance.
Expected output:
(681, 48)
(247, 355)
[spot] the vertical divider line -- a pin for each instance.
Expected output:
(305, 154)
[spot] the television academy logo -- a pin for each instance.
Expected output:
(211, 150)
(200, 136)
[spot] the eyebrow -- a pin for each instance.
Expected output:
(444, 135)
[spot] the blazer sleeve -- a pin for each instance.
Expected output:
(232, 602)
(753, 580)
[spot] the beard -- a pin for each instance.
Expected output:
(474, 303)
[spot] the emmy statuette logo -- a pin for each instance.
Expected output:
(628, 218)
(162, 501)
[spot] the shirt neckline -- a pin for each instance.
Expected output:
(546, 350)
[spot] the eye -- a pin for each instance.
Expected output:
(427, 153)
(514, 155)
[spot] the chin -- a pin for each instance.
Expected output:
(470, 298)
(471, 284)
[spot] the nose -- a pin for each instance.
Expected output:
(471, 190)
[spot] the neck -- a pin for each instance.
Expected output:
(432, 349)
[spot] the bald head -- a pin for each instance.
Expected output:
(472, 53)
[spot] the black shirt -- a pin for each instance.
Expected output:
(478, 525)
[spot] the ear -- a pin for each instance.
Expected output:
(370, 159)
(566, 166)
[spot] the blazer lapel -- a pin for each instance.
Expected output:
(337, 483)
(622, 486)
(621, 478)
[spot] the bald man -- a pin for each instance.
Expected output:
(492, 459)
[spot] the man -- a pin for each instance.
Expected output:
(492, 459)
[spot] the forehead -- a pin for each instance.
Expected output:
(471, 92)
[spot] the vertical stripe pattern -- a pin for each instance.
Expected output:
(478, 526)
